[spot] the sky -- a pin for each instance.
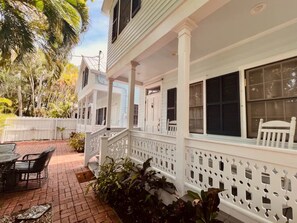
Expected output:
(95, 38)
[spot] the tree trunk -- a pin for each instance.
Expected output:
(20, 99)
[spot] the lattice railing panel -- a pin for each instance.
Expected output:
(163, 153)
(264, 189)
(94, 144)
(118, 145)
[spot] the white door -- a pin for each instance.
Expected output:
(153, 112)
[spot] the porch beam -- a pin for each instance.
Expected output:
(131, 93)
(109, 101)
(184, 50)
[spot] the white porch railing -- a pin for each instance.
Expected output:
(260, 183)
(93, 142)
(257, 180)
(162, 148)
(116, 146)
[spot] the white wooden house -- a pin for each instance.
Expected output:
(91, 88)
(215, 68)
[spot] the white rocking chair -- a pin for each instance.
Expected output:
(171, 127)
(276, 133)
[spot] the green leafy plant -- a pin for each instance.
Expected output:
(61, 130)
(206, 205)
(131, 189)
(77, 141)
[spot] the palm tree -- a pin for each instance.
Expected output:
(54, 26)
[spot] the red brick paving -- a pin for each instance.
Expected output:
(67, 195)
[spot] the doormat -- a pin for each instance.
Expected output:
(35, 214)
(85, 176)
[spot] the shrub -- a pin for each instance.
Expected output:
(206, 205)
(132, 190)
(77, 141)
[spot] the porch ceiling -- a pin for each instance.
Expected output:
(228, 25)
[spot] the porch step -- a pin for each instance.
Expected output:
(94, 167)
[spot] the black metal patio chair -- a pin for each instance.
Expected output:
(32, 165)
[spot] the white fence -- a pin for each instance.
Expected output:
(34, 128)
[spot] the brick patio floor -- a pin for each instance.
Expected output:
(62, 190)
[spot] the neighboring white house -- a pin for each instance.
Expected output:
(91, 88)
(215, 68)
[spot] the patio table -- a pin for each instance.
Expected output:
(7, 161)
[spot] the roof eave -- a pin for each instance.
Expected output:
(106, 6)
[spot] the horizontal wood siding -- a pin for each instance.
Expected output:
(150, 13)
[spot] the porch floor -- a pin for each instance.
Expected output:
(62, 189)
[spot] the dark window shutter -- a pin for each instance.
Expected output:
(213, 90)
(171, 104)
(115, 20)
(125, 7)
(86, 76)
(222, 101)
(136, 4)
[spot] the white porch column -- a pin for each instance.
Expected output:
(109, 101)
(80, 113)
(131, 93)
(184, 48)
(94, 106)
(86, 112)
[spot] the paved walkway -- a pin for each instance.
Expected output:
(67, 195)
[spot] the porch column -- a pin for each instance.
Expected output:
(131, 93)
(86, 112)
(109, 101)
(94, 106)
(81, 113)
(184, 48)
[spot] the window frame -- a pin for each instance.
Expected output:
(171, 108)
(135, 116)
(85, 77)
(196, 106)
(117, 25)
(102, 110)
(268, 98)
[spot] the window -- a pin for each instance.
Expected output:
(153, 90)
(89, 113)
(101, 116)
(135, 118)
(85, 77)
(222, 105)
(171, 104)
(123, 12)
(115, 22)
(271, 93)
(196, 108)
(125, 6)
